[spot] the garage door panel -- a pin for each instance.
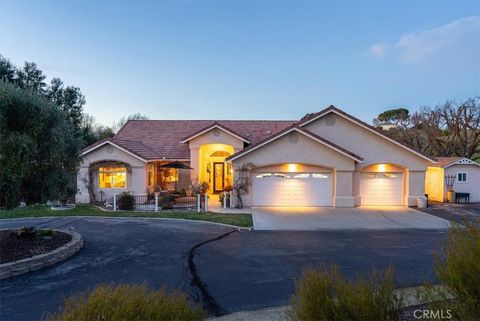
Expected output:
(381, 188)
(286, 190)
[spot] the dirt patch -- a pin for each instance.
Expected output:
(16, 245)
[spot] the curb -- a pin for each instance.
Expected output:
(239, 228)
(41, 261)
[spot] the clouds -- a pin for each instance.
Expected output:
(377, 50)
(459, 39)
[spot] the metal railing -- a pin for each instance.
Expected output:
(156, 202)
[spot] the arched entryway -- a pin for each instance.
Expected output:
(213, 169)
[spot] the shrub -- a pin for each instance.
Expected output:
(166, 201)
(458, 268)
(126, 202)
(323, 294)
(127, 302)
(222, 197)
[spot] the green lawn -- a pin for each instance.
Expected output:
(241, 220)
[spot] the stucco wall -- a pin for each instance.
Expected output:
(304, 151)
(136, 177)
(214, 136)
(472, 185)
(373, 148)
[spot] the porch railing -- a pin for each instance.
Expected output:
(156, 202)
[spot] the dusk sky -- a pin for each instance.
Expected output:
(249, 59)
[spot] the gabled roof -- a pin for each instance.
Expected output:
(295, 128)
(161, 139)
(210, 127)
(341, 113)
(445, 162)
(136, 149)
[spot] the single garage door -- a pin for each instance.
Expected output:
(381, 188)
(292, 189)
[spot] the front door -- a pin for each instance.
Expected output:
(218, 179)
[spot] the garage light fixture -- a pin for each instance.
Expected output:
(292, 168)
(381, 168)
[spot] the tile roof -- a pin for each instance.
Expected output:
(445, 161)
(156, 139)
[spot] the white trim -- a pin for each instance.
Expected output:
(209, 129)
(369, 129)
(301, 132)
(463, 161)
(466, 177)
(114, 145)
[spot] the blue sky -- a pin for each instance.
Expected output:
(249, 59)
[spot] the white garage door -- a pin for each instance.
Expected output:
(292, 189)
(381, 188)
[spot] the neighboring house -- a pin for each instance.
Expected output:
(464, 172)
(328, 159)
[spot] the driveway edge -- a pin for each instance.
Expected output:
(41, 261)
(239, 228)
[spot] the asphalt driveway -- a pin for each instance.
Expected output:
(328, 218)
(241, 270)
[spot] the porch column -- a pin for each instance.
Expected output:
(194, 163)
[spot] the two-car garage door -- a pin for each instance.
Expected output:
(292, 189)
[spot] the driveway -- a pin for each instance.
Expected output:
(327, 218)
(241, 270)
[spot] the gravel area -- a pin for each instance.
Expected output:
(16, 246)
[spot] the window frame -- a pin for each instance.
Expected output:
(100, 172)
(465, 174)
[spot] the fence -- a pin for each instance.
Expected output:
(156, 202)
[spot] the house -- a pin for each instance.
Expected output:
(461, 172)
(329, 158)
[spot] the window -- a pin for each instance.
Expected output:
(170, 175)
(264, 175)
(318, 175)
(303, 175)
(280, 175)
(462, 177)
(112, 177)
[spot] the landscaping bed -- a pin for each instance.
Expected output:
(24, 243)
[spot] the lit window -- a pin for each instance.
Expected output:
(280, 175)
(112, 177)
(318, 175)
(388, 175)
(304, 175)
(264, 175)
(169, 175)
(462, 177)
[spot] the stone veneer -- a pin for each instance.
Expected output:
(43, 260)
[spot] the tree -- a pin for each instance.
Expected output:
(7, 70)
(123, 120)
(31, 78)
(448, 129)
(92, 131)
(38, 147)
(392, 116)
